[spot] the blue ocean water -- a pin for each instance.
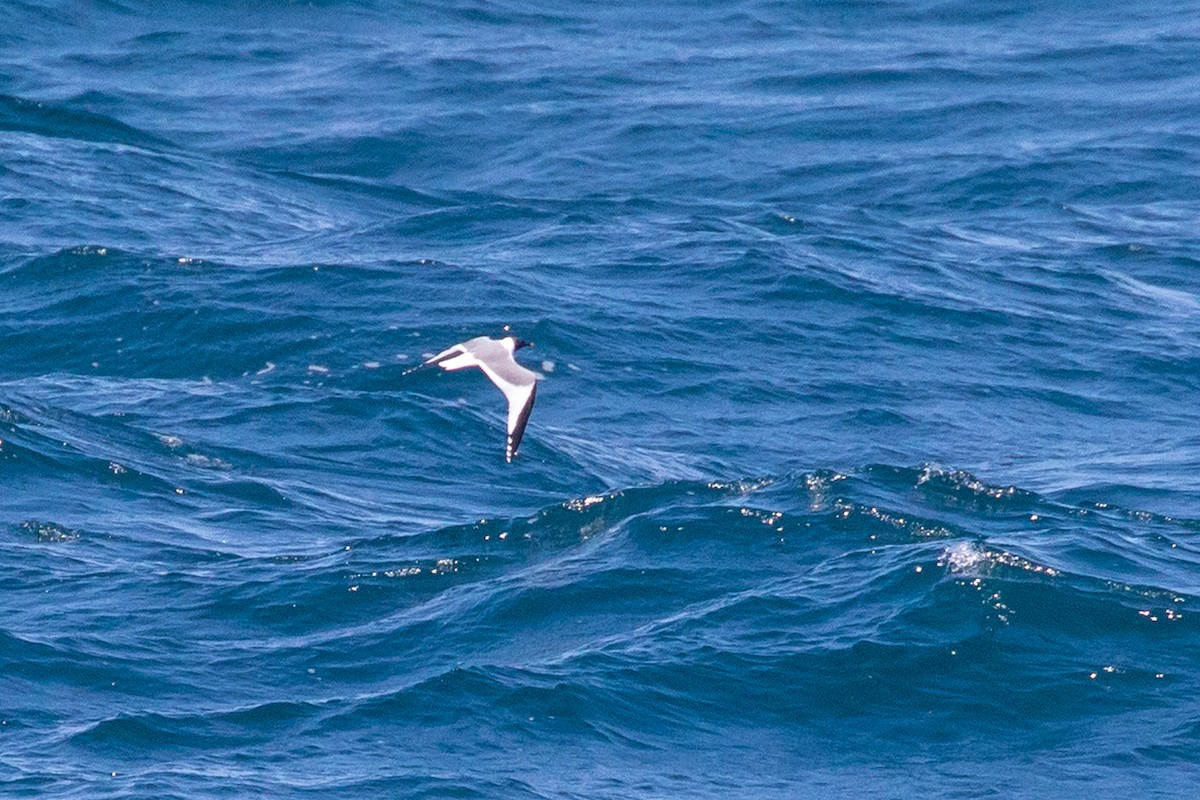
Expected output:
(865, 463)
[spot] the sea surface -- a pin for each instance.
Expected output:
(866, 463)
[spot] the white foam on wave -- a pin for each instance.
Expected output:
(963, 557)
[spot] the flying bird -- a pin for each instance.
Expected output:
(495, 358)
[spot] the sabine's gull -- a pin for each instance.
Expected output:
(495, 358)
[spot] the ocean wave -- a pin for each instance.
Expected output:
(23, 115)
(646, 615)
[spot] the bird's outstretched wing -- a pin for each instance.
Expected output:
(471, 353)
(520, 403)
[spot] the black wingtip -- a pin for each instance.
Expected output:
(436, 361)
